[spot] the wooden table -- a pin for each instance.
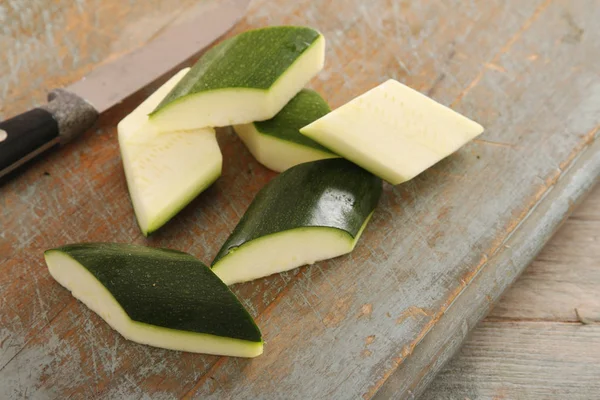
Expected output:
(438, 253)
(533, 345)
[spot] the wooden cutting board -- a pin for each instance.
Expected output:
(437, 254)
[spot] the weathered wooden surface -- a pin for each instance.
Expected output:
(526, 360)
(532, 345)
(564, 276)
(380, 321)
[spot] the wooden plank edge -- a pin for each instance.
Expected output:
(445, 338)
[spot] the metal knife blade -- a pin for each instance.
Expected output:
(74, 109)
(111, 83)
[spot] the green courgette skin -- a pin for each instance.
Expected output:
(254, 59)
(166, 288)
(306, 107)
(326, 193)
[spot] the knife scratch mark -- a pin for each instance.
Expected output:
(496, 144)
(507, 46)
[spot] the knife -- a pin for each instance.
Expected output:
(73, 110)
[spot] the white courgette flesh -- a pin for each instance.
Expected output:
(274, 153)
(393, 131)
(284, 251)
(249, 77)
(277, 143)
(167, 170)
(310, 212)
(94, 295)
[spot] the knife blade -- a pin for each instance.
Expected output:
(73, 110)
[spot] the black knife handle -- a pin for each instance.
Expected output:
(25, 136)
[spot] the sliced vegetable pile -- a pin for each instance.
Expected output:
(277, 143)
(247, 78)
(316, 209)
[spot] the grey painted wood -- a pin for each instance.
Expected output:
(488, 285)
(380, 321)
(542, 326)
(564, 276)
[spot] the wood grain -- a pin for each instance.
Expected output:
(523, 360)
(51, 43)
(563, 277)
(531, 328)
(487, 286)
(358, 325)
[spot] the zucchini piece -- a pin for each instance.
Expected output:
(249, 77)
(165, 171)
(393, 131)
(277, 143)
(311, 212)
(159, 297)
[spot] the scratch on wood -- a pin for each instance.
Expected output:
(467, 277)
(495, 67)
(71, 301)
(497, 144)
(412, 312)
(267, 311)
(445, 174)
(466, 280)
(339, 311)
(264, 315)
(311, 306)
(435, 85)
(365, 310)
(503, 50)
(204, 378)
(588, 139)
(422, 72)
(549, 182)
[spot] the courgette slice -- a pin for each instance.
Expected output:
(249, 77)
(311, 212)
(165, 171)
(393, 131)
(277, 143)
(159, 297)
